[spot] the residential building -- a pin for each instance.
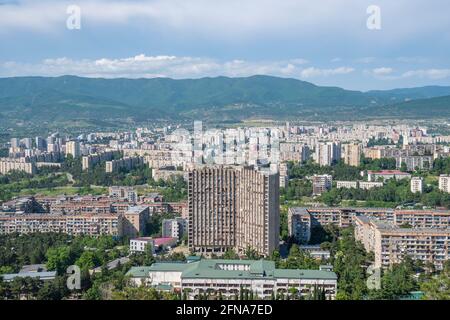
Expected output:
(321, 183)
(386, 175)
(135, 220)
(366, 185)
(327, 153)
(347, 184)
(416, 184)
(174, 228)
(73, 148)
(352, 154)
(142, 244)
(233, 208)
(391, 244)
(444, 183)
(229, 277)
(123, 193)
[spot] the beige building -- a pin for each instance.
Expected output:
(391, 244)
(134, 223)
(352, 154)
(233, 207)
(73, 148)
(125, 163)
(20, 164)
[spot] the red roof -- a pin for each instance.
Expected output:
(396, 172)
(163, 241)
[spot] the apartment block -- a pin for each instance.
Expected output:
(416, 184)
(321, 183)
(391, 244)
(125, 163)
(123, 193)
(73, 148)
(17, 164)
(327, 153)
(86, 224)
(233, 207)
(134, 221)
(347, 184)
(352, 154)
(174, 228)
(444, 183)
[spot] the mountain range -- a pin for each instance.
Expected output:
(214, 99)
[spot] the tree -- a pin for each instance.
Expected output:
(230, 254)
(438, 287)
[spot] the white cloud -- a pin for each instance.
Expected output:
(432, 74)
(316, 72)
(154, 66)
(383, 71)
(234, 18)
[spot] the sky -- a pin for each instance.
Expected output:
(326, 42)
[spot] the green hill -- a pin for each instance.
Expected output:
(220, 98)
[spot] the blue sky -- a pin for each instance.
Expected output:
(326, 42)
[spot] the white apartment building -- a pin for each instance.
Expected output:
(347, 184)
(444, 183)
(142, 244)
(416, 184)
(327, 153)
(229, 277)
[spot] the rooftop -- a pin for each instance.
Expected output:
(232, 269)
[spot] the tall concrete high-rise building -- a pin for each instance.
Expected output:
(73, 148)
(233, 208)
(41, 144)
(352, 154)
(327, 153)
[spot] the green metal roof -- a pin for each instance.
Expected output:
(138, 272)
(256, 269)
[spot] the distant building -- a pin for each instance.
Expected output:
(174, 228)
(327, 153)
(321, 183)
(366, 185)
(444, 183)
(135, 219)
(352, 154)
(120, 192)
(299, 224)
(229, 277)
(73, 148)
(416, 184)
(347, 184)
(386, 175)
(142, 244)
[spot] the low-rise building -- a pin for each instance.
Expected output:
(142, 244)
(229, 277)
(386, 175)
